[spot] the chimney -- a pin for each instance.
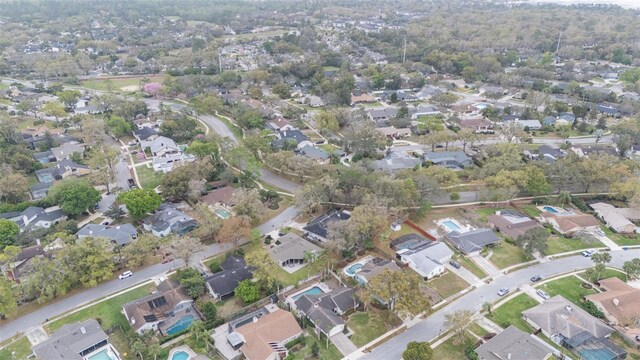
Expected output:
(568, 308)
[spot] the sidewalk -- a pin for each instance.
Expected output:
(486, 265)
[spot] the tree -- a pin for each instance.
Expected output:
(326, 120)
(115, 212)
(247, 291)
(264, 266)
(248, 204)
(467, 137)
(175, 184)
(89, 262)
(418, 351)
(74, 195)
(234, 230)
(208, 221)
(185, 246)
(69, 97)
(533, 241)
(363, 139)
(444, 99)
(105, 158)
(118, 126)
(204, 149)
(209, 310)
(282, 90)
(400, 291)
(14, 188)
(564, 198)
(8, 299)
(458, 322)
(601, 260)
(632, 268)
(535, 181)
(140, 202)
(55, 109)
(134, 253)
(194, 285)
(28, 105)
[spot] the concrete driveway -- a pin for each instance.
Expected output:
(342, 342)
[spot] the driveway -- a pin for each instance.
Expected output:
(465, 274)
(486, 265)
(342, 342)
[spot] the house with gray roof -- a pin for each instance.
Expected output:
(396, 162)
(317, 228)
(144, 133)
(160, 146)
(373, 268)
(512, 223)
(454, 160)
(472, 241)
(314, 153)
(619, 219)
(292, 250)
(44, 157)
(168, 219)
(118, 234)
(76, 341)
(65, 150)
(324, 310)
(222, 284)
(62, 169)
(514, 344)
(427, 260)
(40, 190)
(37, 217)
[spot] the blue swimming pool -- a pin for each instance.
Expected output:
(451, 225)
(180, 355)
(353, 269)
(550, 209)
(102, 355)
(223, 213)
(311, 291)
(182, 324)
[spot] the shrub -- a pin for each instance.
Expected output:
(214, 266)
(209, 310)
(593, 309)
(470, 353)
(454, 196)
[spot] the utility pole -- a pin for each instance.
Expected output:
(558, 46)
(404, 51)
(220, 60)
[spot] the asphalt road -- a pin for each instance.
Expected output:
(86, 296)
(433, 326)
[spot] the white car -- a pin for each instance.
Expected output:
(543, 294)
(588, 253)
(503, 291)
(125, 275)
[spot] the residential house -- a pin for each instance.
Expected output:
(608, 110)
(65, 150)
(422, 110)
(477, 125)
(466, 110)
(168, 219)
(428, 91)
(40, 190)
(280, 124)
(547, 153)
(144, 134)
(408, 241)
(315, 154)
(167, 162)
(317, 228)
(618, 219)
(20, 265)
(76, 341)
(265, 338)
(494, 90)
(512, 223)
(620, 303)
(513, 344)
(528, 124)
(311, 100)
(568, 222)
(472, 241)
(454, 160)
(427, 260)
(396, 162)
(44, 157)
(160, 146)
(35, 217)
(61, 170)
(375, 267)
(117, 234)
(587, 150)
(169, 305)
(362, 99)
(394, 133)
(293, 250)
(295, 138)
(222, 284)
(560, 320)
(221, 197)
(324, 310)
(383, 115)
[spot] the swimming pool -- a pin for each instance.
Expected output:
(550, 209)
(353, 269)
(451, 225)
(311, 291)
(222, 213)
(102, 355)
(180, 355)
(182, 324)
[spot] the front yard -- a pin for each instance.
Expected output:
(303, 350)
(448, 284)
(570, 287)
(21, 348)
(621, 239)
(507, 254)
(557, 245)
(149, 179)
(608, 273)
(510, 313)
(370, 325)
(450, 350)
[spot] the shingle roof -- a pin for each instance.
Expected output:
(70, 340)
(319, 225)
(292, 246)
(620, 300)
(154, 307)
(120, 234)
(513, 344)
(474, 240)
(225, 282)
(275, 327)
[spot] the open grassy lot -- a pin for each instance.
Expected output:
(448, 284)
(303, 351)
(21, 348)
(107, 311)
(370, 325)
(451, 350)
(149, 179)
(621, 239)
(557, 245)
(569, 287)
(510, 313)
(124, 84)
(506, 254)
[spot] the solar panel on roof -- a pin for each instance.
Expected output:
(157, 302)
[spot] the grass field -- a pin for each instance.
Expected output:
(21, 348)
(505, 255)
(149, 179)
(608, 273)
(510, 313)
(370, 325)
(448, 284)
(557, 245)
(569, 287)
(116, 84)
(450, 350)
(107, 311)
(530, 210)
(620, 239)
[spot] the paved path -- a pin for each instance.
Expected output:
(608, 242)
(344, 345)
(465, 274)
(486, 265)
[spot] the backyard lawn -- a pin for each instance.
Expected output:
(569, 287)
(303, 351)
(447, 285)
(370, 325)
(107, 311)
(531, 210)
(149, 179)
(506, 254)
(22, 349)
(510, 313)
(557, 245)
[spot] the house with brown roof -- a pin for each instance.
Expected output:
(478, 125)
(618, 219)
(265, 337)
(223, 196)
(362, 99)
(20, 266)
(568, 222)
(165, 310)
(620, 304)
(511, 223)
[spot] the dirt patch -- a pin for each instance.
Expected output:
(130, 88)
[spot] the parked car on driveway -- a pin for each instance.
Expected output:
(543, 294)
(503, 292)
(455, 264)
(125, 275)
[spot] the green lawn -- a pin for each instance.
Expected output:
(115, 84)
(469, 265)
(108, 311)
(370, 325)
(506, 254)
(531, 210)
(448, 284)
(303, 351)
(485, 213)
(3, 86)
(608, 273)
(149, 179)
(478, 330)
(621, 239)
(451, 350)
(557, 245)
(22, 349)
(569, 287)
(510, 313)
